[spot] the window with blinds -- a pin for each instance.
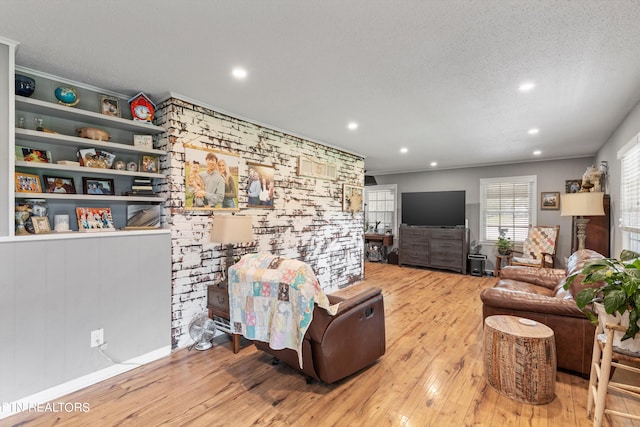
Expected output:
(507, 206)
(629, 156)
(380, 207)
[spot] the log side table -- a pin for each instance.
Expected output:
(520, 358)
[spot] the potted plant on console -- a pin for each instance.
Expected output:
(504, 245)
(613, 287)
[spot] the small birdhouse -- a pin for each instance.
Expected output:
(142, 108)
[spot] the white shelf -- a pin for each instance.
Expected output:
(86, 170)
(60, 139)
(71, 113)
(88, 197)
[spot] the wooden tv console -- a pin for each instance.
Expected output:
(434, 247)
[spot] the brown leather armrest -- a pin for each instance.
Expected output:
(547, 277)
(525, 301)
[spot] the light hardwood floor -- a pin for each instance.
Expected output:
(431, 375)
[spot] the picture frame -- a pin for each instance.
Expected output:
(197, 175)
(94, 219)
(573, 185)
(110, 106)
(27, 154)
(27, 183)
(98, 186)
(41, 224)
(143, 216)
(59, 184)
(352, 198)
(260, 186)
(92, 158)
(148, 163)
(550, 200)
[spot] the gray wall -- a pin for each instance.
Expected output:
(628, 128)
(53, 293)
(551, 176)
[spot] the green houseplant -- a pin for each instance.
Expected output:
(504, 245)
(615, 283)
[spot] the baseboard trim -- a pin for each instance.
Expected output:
(15, 407)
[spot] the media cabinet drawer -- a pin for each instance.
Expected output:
(442, 260)
(422, 260)
(446, 245)
(415, 246)
(447, 233)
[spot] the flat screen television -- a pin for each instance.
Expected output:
(434, 208)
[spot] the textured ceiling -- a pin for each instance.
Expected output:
(437, 77)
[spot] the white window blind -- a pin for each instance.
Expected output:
(508, 206)
(381, 206)
(630, 186)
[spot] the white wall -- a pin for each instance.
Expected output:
(551, 176)
(628, 128)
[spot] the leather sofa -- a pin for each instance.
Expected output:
(538, 294)
(337, 346)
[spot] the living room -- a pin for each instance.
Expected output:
(146, 319)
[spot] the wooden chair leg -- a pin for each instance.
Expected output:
(603, 382)
(595, 372)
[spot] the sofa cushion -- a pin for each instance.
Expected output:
(519, 286)
(575, 263)
(547, 277)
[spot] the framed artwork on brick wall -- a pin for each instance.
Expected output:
(261, 186)
(352, 198)
(211, 179)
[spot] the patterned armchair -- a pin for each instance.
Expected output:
(539, 248)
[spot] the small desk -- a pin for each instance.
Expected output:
(383, 240)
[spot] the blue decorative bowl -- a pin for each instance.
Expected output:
(25, 86)
(67, 96)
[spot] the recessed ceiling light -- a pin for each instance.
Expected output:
(537, 153)
(526, 86)
(352, 126)
(434, 164)
(534, 131)
(239, 73)
(404, 150)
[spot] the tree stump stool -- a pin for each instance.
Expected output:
(520, 358)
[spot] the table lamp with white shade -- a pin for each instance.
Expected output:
(581, 205)
(229, 230)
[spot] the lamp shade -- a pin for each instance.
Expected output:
(229, 229)
(581, 204)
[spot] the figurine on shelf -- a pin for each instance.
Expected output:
(67, 96)
(142, 108)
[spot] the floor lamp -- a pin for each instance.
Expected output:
(581, 205)
(229, 230)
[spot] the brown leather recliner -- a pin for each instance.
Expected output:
(337, 346)
(538, 294)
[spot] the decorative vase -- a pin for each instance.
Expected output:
(67, 96)
(630, 345)
(22, 214)
(25, 86)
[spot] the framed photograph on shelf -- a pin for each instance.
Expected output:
(27, 183)
(94, 219)
(92, 158)
(26, 154)
(550, 200)
(352, 198)
(573, 185)
(211, 179)
(143, 216)
(110, 106)
(41, 224)
(59, 184)
(98, 186)
(148, 163)
(261, 186)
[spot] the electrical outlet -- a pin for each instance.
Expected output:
(97, 338)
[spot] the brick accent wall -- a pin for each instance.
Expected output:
(306, 223)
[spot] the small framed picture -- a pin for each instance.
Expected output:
(149, 164)
(573, 185)
(143, 216)
(550, 200)
(92, 158)
(352, 198)
(27, 183)
(59, 184)
(110, 105)
(26, 154)
(41, 224)
(98, 186)
(143, 141)
(94, 219)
